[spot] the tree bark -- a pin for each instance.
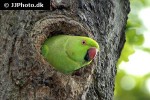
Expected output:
(25, 75)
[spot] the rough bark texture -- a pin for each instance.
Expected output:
(25, 75)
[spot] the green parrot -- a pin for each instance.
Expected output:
(68, 53)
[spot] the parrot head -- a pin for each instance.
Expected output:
(82, 49)
(68, 53)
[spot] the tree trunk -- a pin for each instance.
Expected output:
(25, 75)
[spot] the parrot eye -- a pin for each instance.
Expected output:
(83, 42)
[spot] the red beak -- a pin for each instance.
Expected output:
(91, 53)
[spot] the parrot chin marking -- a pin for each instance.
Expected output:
(91, 53)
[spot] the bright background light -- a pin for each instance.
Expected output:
(144, 15)
(139, 62)
(138, 65)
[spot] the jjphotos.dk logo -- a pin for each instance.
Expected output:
(39, 4)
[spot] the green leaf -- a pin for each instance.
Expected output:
(134, 38)
(126, 52)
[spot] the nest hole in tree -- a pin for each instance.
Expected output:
(59, 25)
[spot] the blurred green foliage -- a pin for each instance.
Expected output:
(129, 87)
